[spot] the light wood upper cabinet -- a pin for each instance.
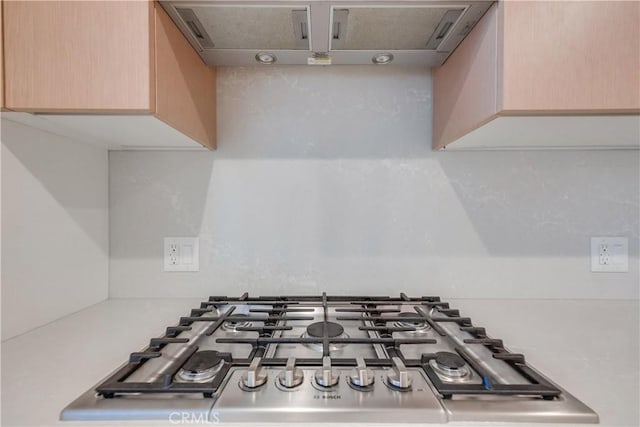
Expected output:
(1, 60)
(543, 74)
(106, 57)
(79, 55)
(584, 55)
(185, 87)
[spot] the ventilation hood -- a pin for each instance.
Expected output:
(320, 32)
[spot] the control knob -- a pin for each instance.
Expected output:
(291, 376)
(255, 375)
(361, 376)
(326, 377)
(399, 376)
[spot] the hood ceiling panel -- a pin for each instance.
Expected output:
(390, 28)
(248, 27)
(323, 32)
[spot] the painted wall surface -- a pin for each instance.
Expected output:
(324, 180)
(55, 251)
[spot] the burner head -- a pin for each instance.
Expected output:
(201, 367)
(419, 325)
(236, 321)
(316, 330)
(448, 360)
(451, 367)
(202, 360)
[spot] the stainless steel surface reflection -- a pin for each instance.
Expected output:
(307, 404)
(279, 384)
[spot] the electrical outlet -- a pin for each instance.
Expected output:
(609, 254)
(181, 254)
(173, 253)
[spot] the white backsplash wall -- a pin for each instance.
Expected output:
(55, 239)
(324, 180)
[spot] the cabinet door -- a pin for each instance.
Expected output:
(185, 85)
(87, 56)
(571, 56)
(1, 61)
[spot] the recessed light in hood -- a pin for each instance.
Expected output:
(266, 58)
(382, 58)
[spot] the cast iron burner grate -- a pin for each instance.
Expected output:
(382, 322)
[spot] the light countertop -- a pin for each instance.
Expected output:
(589, 347)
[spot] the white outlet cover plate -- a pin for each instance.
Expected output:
(186, 256)
(618, 254)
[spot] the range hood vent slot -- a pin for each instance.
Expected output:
(339, 30)
(443, 28)
(195, 27)
(300, 28)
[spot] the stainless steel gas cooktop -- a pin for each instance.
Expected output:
(327, 359)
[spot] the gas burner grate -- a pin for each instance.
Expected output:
(383, 322)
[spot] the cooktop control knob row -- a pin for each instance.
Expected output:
(291, 376)
(399, 376)
(326, 376)
(255, 375)
(361, 376)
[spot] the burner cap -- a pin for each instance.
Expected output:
(317, 329)
(410, 314)
(236, 321)
(202, 361)
(201, 367)
(419, 325)
(236, 318)
(449, 360)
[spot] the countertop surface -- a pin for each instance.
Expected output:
(589, 347)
